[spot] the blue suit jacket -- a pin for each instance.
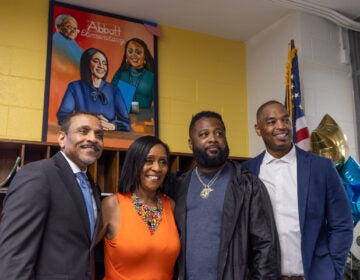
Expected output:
(324, 214)
(78, 97)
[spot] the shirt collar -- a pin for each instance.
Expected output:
(73, 166)
(288, 158)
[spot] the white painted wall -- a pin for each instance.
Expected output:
(326, 81)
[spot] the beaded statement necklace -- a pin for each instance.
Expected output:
(205, 192)
(150, 215)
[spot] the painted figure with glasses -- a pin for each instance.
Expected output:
(64, 43)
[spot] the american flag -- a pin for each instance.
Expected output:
(301, 136)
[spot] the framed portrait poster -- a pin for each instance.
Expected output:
(102, 63)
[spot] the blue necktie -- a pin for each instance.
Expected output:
(88, 199)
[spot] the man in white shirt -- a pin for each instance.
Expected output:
(311, 209)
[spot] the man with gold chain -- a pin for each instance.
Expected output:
(223, 212)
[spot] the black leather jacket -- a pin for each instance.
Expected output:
(249, 246)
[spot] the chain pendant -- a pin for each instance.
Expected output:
(204, 194)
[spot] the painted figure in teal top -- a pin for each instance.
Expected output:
(135, 76)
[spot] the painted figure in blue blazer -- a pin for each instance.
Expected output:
(311, 210)
(94, 94)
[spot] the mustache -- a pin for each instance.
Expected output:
(212, 146)
(92, 146)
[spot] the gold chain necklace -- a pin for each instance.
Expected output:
(205, 192)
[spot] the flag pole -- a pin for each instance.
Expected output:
(288, 94)
(293, 99)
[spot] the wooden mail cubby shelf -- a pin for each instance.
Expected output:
(105, 171)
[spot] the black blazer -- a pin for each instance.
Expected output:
(249, 246)
(45, 232)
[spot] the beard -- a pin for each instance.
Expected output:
(205, 160)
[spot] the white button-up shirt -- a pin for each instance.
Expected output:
(280, 179)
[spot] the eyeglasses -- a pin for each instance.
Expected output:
(71, 28)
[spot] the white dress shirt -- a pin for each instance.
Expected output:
(280, 179)
(76, 169)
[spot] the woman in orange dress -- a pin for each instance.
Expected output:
(141, 239)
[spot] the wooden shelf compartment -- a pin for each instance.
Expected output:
(106, 171)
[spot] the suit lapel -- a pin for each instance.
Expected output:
(259, 161)
(71, 185)
(303, 177)
(97, 196)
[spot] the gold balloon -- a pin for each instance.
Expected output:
(329, 141)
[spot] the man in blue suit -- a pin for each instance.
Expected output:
(311, 208)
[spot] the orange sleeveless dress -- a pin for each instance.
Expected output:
(135, 253)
